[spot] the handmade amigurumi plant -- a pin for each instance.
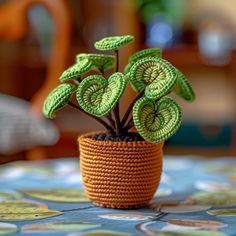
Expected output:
(121, 168)
(155, 116)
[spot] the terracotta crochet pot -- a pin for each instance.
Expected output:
(120, 174)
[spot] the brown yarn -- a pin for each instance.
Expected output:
(120, 174)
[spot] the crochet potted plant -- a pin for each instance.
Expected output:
(120, 167)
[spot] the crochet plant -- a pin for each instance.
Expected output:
(97, 85)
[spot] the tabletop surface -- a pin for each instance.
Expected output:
(196, 196)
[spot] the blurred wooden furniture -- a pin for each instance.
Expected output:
(188, 59)
(14, 25)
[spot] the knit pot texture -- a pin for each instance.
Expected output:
(121, 175)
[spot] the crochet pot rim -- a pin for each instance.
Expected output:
(88, 136)
(107, 165)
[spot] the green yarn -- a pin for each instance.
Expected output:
(156, 120)
(57, 99)
(155, 75)
(101, 61)
(149, 52)
(127, 68)
(183, 87)
(98, 96)
(114, 42)
(155, 116)
(75, 71)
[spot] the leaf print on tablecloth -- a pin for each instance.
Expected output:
(203, 224)
(184, 209)
(232, 178)
(190, 233)
(127, 217)
(223, 212)
(171, 198)
(225, 198)
(22, 203)
(181, 227)
(222, 168)
(170, 201)
(9, 195)
(161, 192)
(6, 228)
(158, 205)
(171, 227)
(59, 226)
(213, 186)
(143, 227)
(26, 213)
(57, 195)
(102, 233)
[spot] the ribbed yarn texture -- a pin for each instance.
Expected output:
(120, 174)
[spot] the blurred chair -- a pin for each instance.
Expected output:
(14, 25)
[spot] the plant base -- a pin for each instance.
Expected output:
(120, 174)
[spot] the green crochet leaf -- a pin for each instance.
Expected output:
(127, 68)
(98, 96)
(156, 120)
(155, 75)
(101, 61)
(114, 42)
(183, 87)
(149, 52)
(75, 71)
(57, 99)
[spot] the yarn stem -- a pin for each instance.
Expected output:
(108, 127)
(127, 113)
(116, 110)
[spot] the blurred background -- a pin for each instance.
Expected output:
(39, 39)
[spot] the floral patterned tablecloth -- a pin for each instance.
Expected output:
(196, 196)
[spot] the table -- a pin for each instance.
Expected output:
(196, 196)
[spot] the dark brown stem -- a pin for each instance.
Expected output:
(108, 127)
(129, 125)
(102, 72)
(117, 107)
(127, 113)
(111, 121)
(117, 118)
(117, 60)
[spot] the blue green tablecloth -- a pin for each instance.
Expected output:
(211, 181)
